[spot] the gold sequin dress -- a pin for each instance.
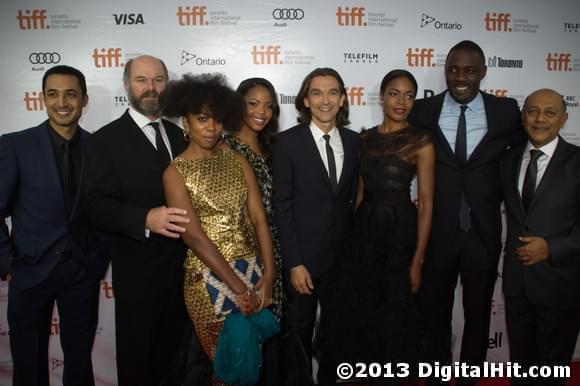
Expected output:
(218, 192)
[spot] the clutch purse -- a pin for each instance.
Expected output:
(220, 295)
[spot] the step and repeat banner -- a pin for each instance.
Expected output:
(528, 45)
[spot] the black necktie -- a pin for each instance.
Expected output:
(461, 155)
(331, 163)
(68, 180)
(160, 144)
(461, 137)
(529, 187)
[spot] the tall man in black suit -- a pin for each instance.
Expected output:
(53, 253)
(541, 274)
(315, 170)
(470, 130)
(125, 197)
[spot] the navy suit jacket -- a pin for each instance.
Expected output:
(554, 215)
(31, 195)
(312, 220)
(478, 178)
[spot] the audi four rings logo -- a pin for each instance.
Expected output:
(44, 58)
(288, 14)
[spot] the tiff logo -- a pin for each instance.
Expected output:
(55, 327)
(355, 96)
(107, 57)
(500, 22)
(266, 55)
(33, 101)
(559, 61)
(32, 19)
(420, 57)
(354, 16)
(107, 290)
(194, 15)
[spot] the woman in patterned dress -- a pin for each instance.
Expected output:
(217, 189)
(253, 139)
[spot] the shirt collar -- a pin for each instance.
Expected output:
(58, 140)
(548, 149)
(318, 133)
(140, 119)
(475, 105)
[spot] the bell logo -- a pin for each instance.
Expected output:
(194, 15)
(354, 16)
(500, 92)
(107, 57)
(355, 96)
(266, 55)
(559, 61)
(33, 101)
(32, 19)
(500, 22)
(420, 57)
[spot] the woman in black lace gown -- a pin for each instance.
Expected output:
(374, 316)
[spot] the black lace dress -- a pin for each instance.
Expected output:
(373, 315)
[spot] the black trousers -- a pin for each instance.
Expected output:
(76, 294)
(149, 332)
(539, 335)
(468, 259)
(302, 318)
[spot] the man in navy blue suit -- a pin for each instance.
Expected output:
(53, 253)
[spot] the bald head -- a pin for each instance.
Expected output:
(543, 115)
(146, 60)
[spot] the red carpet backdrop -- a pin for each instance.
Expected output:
(528, 45)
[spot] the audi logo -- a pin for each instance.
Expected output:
(44, 58)
(288, 14)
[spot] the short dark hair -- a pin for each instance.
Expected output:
(193, 94)
(127, 69)
(305, 115)
(394, 74)
(468, 45)
(267, 135)
(66, 70)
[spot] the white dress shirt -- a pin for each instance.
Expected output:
(335, 144)
(543, 161)
(144, 124)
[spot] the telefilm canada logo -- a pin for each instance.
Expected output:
(571, 27)
(361, 57)
(283, 16)
(430, 22)
(191, 58)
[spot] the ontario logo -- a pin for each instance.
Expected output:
(191, 58)
(430, 21)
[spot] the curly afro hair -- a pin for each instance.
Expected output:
(207, 93)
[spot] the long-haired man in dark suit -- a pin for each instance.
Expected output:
(470, 130)
(125, 198)
(315, 171)
(53, 253)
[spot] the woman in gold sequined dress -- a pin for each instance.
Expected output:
(218, 190)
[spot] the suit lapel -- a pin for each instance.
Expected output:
(349, 152)
(438, 133)
(312, 148)
(514, 181)
(52, 176)
(556, 163)
(137, 139)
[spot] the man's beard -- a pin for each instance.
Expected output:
(146, 108)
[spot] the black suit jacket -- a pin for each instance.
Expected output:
(311, 219)
(124, 181)
(478, 178)
(554, 215)
(31, 194)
